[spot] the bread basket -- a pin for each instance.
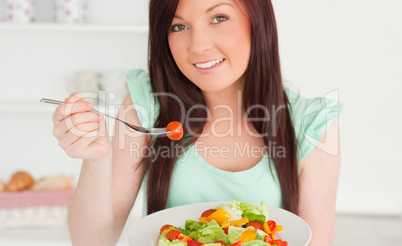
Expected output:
(35, 204)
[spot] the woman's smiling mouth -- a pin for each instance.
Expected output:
(209, 66)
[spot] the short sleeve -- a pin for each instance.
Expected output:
(311, 118)
(144, 102)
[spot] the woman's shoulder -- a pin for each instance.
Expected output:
(138, 75)
(311, 118)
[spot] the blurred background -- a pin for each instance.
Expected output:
(348, 50)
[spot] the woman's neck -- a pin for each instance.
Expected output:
(225, 102)
(226, 110)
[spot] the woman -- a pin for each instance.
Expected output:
(214, 66)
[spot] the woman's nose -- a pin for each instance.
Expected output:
(201, 41)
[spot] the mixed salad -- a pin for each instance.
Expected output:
(236, 224)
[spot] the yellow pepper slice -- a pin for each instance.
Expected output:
(235, 223)
(266, 228)
(219, 216)
(204, 220)
(248, 235)
(277, 228)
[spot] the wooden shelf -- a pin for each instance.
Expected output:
(80, 28)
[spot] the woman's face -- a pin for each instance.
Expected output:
(210, 41)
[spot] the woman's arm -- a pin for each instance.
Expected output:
(318, 187)
(107, 187)
(128, 172)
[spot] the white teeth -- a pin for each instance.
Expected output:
(209, 64)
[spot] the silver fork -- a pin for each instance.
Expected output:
(148, 131)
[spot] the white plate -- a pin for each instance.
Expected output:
(145, 232)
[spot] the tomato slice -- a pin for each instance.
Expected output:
(193, 243)
(256, 225)
(236, 244)
(165, 227)
(208, 212)
(176, 130)
(221, 242)
(172, 235)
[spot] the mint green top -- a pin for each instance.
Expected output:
(194, 180)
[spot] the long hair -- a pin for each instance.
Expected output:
(263, 86)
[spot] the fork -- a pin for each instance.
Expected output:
(148, 131)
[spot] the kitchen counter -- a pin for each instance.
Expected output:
(35, 237)
(41, 237)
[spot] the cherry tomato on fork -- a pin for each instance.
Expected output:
(176, 130)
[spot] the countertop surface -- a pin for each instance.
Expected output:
(42, 237)
(33, 237)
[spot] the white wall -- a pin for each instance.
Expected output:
(351, 46)
(354, 46)
(36, 64)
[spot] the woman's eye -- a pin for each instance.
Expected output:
(219, 19)
(177, 28)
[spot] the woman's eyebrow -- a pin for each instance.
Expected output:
(217, 5)
(209, 9)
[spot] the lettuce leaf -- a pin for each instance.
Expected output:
(254, 213)
(261, 235)
(192, 225)
(233, 210)
(211, 232)
(235, 234)
(165, 242)
(255, 243)
(191, 228)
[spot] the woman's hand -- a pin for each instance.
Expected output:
(81, 133)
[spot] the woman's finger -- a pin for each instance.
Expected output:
(74, 120)
(75, 134)
(66, 109)
(82, 129)
(73, 97)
